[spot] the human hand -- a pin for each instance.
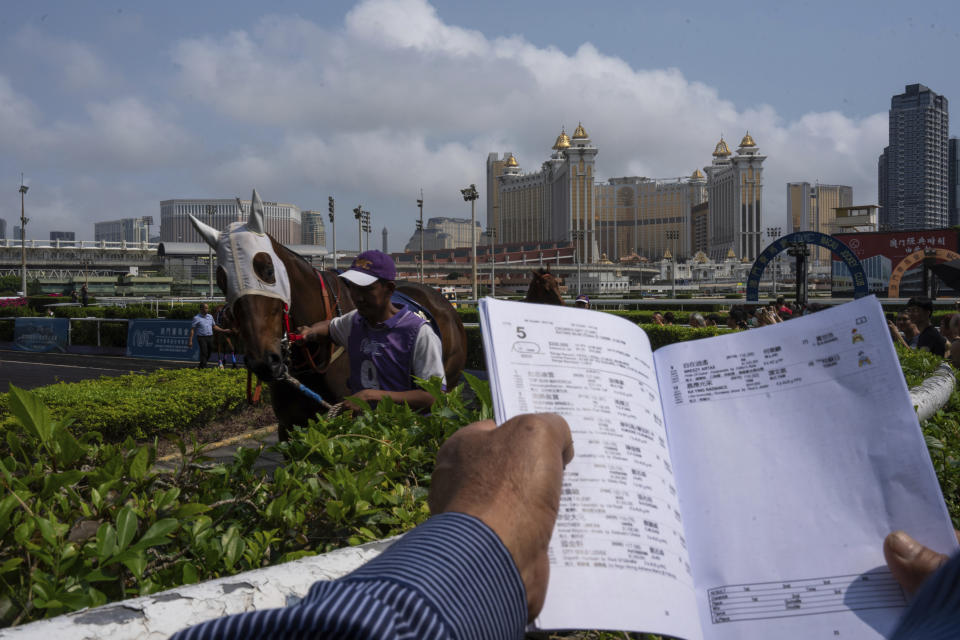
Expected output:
(910, 562)
(510, 478)
(369, 396)
(305, 332)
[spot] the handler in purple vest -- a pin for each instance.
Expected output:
(388, 344)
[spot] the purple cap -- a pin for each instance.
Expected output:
(370, 266)
(583, 298)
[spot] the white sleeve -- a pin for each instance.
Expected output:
(340, 328)
(428, 355)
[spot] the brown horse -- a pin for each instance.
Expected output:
(263, 324)
(544, 288)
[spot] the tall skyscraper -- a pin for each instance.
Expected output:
(495, 167)
(814, 208)
(953, 192)
(735, 193)
(912, 171)
(312, 228)
(385, 234)
(3, 229)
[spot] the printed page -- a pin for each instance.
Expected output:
(618, 557)
(797, 451)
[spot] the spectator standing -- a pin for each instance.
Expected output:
(929, 339)
(203, 327)
(84, 295)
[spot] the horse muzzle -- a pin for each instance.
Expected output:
(270, 367)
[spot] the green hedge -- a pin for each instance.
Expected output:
(142, 405)
(83, 523)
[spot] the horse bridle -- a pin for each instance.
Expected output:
(289, 338)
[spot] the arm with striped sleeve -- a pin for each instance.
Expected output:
(451, 577)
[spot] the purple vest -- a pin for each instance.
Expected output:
(382, 357)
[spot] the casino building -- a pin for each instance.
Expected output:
(565, 202)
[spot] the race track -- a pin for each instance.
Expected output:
(28, 370)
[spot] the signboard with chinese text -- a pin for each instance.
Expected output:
(41, 334)
(881, 253)
(164, 339)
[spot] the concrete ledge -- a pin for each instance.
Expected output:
(160, 615)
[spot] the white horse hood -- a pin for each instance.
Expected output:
(235, 251)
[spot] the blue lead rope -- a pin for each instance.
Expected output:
(310, 393)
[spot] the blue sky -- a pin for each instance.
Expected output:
(108, 109)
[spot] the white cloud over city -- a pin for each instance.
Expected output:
(394, 99)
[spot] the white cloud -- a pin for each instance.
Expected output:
(75, 63)
(395, 99)
(399, 98)
(120, 134)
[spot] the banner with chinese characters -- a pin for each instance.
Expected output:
(41, 334)
(881, 253)
(163, 339)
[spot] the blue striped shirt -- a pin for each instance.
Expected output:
(451, 577)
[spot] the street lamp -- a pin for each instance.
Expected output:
(492, 239)
(673, 235)
(357, 213)
(577, 235)
(211, 209)
(365, 219)
(331, 205)
(800, 251)
(420, 232)
(23, 238)
(470, 195)
(772, 234)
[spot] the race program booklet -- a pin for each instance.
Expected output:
(732, 487)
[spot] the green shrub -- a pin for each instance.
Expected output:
(142, 405)
(84, 523)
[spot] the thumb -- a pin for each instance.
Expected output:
(910, 562)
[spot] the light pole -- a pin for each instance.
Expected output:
(211, 209)
(23, 238)
(577, 235)
(772, 234)
(331, 205)
(492, 239)
(470, 195)
(147, 221)
(365, 218)
(357, 213)
(420, 231)
(673, 235)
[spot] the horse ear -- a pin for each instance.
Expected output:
(210, 235)
(255, 221)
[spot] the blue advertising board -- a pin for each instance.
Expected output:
(41, 334)
(164, 339)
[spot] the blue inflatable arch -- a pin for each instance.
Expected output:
(844, 252)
